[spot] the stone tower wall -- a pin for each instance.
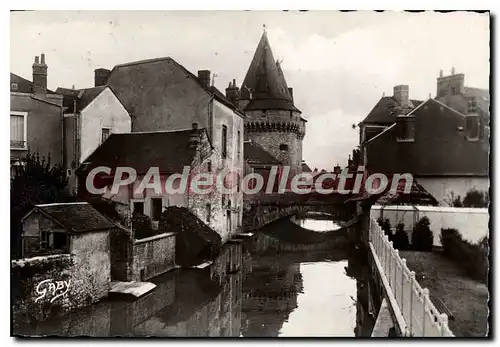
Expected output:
(274, 128)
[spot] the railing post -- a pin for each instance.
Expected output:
(412, 282)
(403, 270)
(443, 318)
(425, 292)
(396, 257)
(391, 268)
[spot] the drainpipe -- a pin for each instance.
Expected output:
(211, 118)
(75, 132)
(63, 149)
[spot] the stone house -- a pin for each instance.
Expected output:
(162, 95)
(90, 116)
(446, 150)
(66, 260)
(170, 152)
(35, 117)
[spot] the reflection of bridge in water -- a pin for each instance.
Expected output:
(259, 300)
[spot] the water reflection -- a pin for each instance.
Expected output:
(317, 225)
(313, 293)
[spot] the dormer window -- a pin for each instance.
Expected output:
(472, 127)
(13, 86)
(405, 129)
(283, 147)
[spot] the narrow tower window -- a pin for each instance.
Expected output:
(283, 147)
(224, 141)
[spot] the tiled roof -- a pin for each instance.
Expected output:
(170, 151)
(23, 85)
(255, 154)
(386, 110)
(83, 97)
(121, 74)
(76, 217)
(266, 81)
(306, 168)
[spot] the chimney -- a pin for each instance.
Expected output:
(204, 77)
(40, 76)
(194, 138)
(336, 169)
(290, 90)
(101, 77)
(232, 92)
(401, 94)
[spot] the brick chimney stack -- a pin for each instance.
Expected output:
(40, 75)
(204, 77)
(233, 92)
(337, 169)
(101, 77)
(402, 95)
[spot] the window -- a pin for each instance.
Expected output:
(208, 211)
(105, 132)
(406, 129)
(138, 207)
(224, 141)
(223, 200)
(60, 240)
(13, 86)
(69, 172)
(156, 208)
(472, 127)
(18, 128)
(209, 166)
(283, 147)
(472, 106)
(239, 144)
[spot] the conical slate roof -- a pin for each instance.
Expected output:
(265, 81)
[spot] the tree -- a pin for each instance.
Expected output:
(422, 238)
(454, 200)
(142, 226)
(35, 182)
(400, 238)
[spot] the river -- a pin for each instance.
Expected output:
(306, 293)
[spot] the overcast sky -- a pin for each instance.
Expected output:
(339, 64)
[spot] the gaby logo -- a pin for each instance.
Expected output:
(277, 180)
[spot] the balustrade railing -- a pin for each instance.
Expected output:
(419, 313)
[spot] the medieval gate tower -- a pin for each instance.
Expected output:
(272, 120)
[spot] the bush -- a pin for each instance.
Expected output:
(141, 224)
(422, 238)
(400, 238)
(476, 198)
(386, 227)
(472, 258)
